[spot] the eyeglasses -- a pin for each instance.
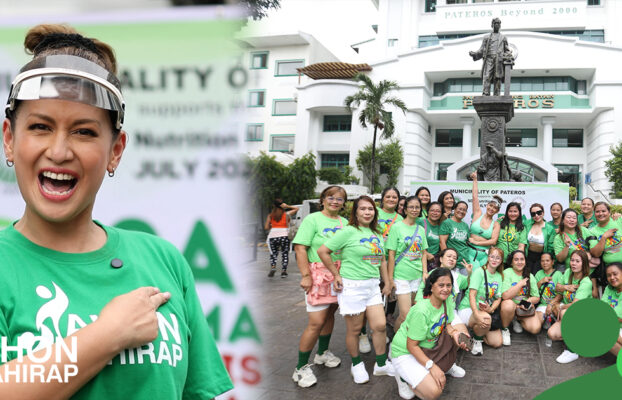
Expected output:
(413, 208)
(337, 199)
(539, 212)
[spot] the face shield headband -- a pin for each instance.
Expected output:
(71, 78)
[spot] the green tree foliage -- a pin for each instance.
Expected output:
(374, 99)
(300, 180)
(335, 176)
(390, 158)
(572, 193)
(613, 169)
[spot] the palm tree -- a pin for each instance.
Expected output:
(375, 98)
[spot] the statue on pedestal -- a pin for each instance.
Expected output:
(491, 164)
(495, 51)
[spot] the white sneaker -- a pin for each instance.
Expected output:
(517, 326)
(364, 345)
(477, 347)
(567, 357)
(304, 376)
(505, 334)
(328, 359)
(456, 371)
(387, 369)
(359, 373)
(404, 389)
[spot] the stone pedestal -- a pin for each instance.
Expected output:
(495, 112)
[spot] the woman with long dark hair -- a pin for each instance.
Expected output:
(573, 286)
(423, 194)
(278, 238)
(448, 202)
(387, 212)
(314, 230)
(432, 227)
(358, 283)
(613, 296)
(512, 233)
(571, 237)
(539, 237)
(455, 232)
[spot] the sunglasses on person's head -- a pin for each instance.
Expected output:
(539, 212)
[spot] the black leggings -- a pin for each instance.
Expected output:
(281, 243)
(533, 261)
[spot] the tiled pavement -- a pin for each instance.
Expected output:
(520, 371)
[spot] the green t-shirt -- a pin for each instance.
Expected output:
(577, 244)
(59, 293)
(461, 282)
(511, 278)
(314, 230)
(509, 239)
(552, 224)
(613, 245)
(362, 252)
(548, 293)
(477, 282)
(432, 232)
(614, 299)
(592, 220)
(423, 323)
(583, 292)
(409, 267)
(458, 235)
(386, 221)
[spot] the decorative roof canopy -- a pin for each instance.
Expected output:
(333, 70)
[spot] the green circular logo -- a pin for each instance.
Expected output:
(590, 328)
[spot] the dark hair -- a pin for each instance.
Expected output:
(403, 213)
(437, 257)
(500, 267)
(588, 198)
(433, 203)
(412, 198)
(613, 264)
(548, 254)
(556, 204)
(384, 191)
(277, 211)
(433, 277)
(526, 272)
(442, 196)
(373, 225)
(421, 188)
(460, 202)
(585, 265)
(536, 205)
(506, 219)
(330, 190)
(562, 226)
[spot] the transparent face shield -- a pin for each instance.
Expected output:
(70, 78)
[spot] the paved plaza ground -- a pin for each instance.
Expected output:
(520, 371)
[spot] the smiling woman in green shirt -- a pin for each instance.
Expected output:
(613, 296)
(455, 233)
(512, 233)
(573, 286)
(357, 283)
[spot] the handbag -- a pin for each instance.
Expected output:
(321, 284)
(530, 311)
(495, 317)
(445, 353)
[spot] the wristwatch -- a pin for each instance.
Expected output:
(429, 364)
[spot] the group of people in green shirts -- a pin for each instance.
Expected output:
(508, 270)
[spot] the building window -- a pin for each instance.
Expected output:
(282, 143)
(519, 84)
(449, 138)
(259, 60)
(288, 67)
(521, 138)
(257, 98)
(441, 171)
(593, 2)
(589, 35)
(254, 132)
(570, 174)
(284, 107)
(456, 1)
(567, 137)
(430, 5)
(337, 123)
(335, 160)
(392, 42)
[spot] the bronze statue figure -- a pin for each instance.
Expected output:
(494, 51)
(491, 164)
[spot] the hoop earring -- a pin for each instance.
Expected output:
(111, 173)
(10, 163)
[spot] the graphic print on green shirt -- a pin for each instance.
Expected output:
(509, 239)
(362, 252)
(60, 293)
(478, 283)
(576, 243)
(584, 291)
(409, 266)
(458, 234)
(613, 245)
(314, 230)
(548, 293)
(614, 299)
(511, 278)
(432, 232)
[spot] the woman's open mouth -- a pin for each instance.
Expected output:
(57, 185)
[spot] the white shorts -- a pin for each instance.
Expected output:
(541, 309)
(319, 307)
(620, 332)
(457, 320)
(357, 295)
(403, 286)
(409, 369)
(465, 315)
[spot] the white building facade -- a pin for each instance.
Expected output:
(565, 83)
